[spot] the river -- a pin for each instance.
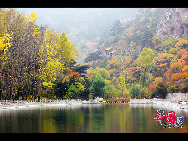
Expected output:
(96, 118)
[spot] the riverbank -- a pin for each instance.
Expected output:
(141, 101)
(31, 104)
(170, 104)
(161, 103)
(158, 103)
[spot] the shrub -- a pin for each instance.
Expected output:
(143, 93)
(172, 89)
(135, 92)
(152, 93)
(161, 90)
(184, 86)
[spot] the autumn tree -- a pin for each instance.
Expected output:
(99, 71)
(146, 64)
(32, 57)
(135, 92)
(20, 63)
(161, 90)
(98, 85)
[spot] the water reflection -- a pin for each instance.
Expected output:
(97, 118)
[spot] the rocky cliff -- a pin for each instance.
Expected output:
(174, 23)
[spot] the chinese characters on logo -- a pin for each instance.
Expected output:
(170, 119)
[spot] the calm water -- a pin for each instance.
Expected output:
(107, 118)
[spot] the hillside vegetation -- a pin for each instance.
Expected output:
(139, 57)
(151, 56)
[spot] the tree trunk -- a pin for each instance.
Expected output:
(123, 88)
(38, 98)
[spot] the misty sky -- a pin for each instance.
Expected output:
(62, 19)
(80, 24)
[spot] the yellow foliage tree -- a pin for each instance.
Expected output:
(181, 43)
(55, 53)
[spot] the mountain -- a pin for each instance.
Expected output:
(174, 23)
(139, 29)
(140, 55)
(82, 25)
(146, 52)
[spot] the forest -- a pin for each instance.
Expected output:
(39, 63)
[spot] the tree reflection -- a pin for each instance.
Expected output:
(99, 118)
